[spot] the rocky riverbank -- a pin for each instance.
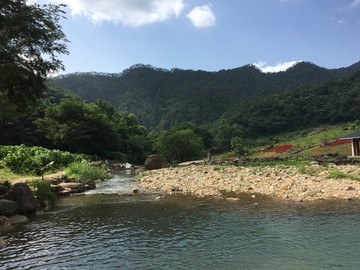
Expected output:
(306, 183)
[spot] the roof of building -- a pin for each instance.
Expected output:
(352, 135)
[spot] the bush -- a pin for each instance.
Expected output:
(85, 173)
(43, 192)
(23, 159)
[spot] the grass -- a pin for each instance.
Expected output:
(85, 173)
(337, 174)
(308, 142)
(296, 163)
(7, 174)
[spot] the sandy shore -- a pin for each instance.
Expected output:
(308, 183)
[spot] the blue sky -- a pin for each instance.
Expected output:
(112, 35)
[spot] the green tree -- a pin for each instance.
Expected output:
(31, 39)
(179, 145)
(78, 127)
(238, 146)
(224, 133)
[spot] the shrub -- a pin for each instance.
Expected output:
(85, 173)
(336, 174)
(43, 192)
(23, 159)
(6, 183)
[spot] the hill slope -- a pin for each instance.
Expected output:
(164, 98)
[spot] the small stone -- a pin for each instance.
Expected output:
(18, 219)
(314, 163)
(350, 188)
(3, 242)
(253, 196)
(135, 190)
(158, 198)
(232, 199)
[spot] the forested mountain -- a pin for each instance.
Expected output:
(332, 102)
(165, 98)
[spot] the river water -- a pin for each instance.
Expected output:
(110, 228)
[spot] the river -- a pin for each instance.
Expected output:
(111, 228)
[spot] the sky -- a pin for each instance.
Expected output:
(113, 35)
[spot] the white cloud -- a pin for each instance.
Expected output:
(353, 4)
(127, 12)
(202, 16)
(277, 68)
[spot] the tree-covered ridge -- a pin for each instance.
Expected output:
(165, 98)
(333, 102)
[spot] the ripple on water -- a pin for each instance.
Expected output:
(186, 233)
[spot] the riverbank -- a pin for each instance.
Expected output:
(307, 183)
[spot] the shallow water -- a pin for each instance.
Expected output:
(112, 231)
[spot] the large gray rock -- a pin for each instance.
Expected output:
(154, 162)
(18, 219)
(74, 187)
(22, 194)
(8, 208)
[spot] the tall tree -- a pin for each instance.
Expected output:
(31, 39)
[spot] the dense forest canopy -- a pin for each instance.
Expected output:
(166, 98)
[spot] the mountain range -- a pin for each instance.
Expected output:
(163, 98)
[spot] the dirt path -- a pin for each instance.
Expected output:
(47, 176)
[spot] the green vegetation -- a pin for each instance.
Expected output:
(30, 160)
(187, 113)
(163, 99)
(84, 172)
(291, 162)
(309, 170)
(5, 183)
(337, 174)
(31, 39)
(43, 192)
(180, 145)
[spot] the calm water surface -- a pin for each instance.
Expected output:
(118, 231)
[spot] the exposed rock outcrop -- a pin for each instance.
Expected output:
(24, 197)
(8, 208)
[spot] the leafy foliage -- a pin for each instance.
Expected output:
(95, 129)
(85, 173)
(23, 159)
(31, 39)
(333, 102)
(43, 192)
(179, 145)
(163, 99)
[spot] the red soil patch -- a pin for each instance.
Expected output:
(339, 142)
(279, 149)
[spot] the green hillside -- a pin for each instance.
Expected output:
(165, 98)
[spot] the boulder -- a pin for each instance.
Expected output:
(8, 208)
(74, 187)
(18, 219)
(22, 194)
(154, 162)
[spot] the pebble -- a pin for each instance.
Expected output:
(282, 182)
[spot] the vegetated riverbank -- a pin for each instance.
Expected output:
(305, 183)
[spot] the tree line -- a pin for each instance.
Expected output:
(144, 110)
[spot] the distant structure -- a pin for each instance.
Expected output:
(355, 142)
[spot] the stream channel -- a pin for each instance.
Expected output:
(112, 228)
